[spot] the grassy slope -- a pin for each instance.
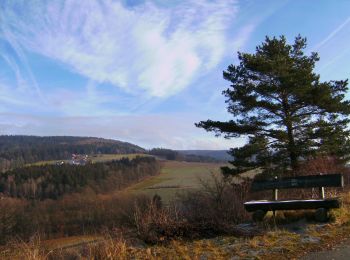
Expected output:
(176, 177)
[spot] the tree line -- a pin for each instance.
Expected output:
(173, 155)
(53, 181)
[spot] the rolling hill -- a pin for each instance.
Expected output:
(17, 150)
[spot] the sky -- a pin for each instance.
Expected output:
(145, 71)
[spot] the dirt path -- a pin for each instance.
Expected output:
(71, 242)
(340, 252)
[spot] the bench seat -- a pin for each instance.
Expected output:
(266, 205)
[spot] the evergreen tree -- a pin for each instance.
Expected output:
(279, 103)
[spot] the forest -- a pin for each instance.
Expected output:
(16, 151)
(53, 181)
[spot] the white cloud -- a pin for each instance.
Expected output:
(147, 48)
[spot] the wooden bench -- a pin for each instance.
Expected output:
(322, 205)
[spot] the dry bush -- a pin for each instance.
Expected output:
(31, 250)
(109, 248)
(214, 209)
(155, 224)
(315, 166)
(217, 207)
(321, 164)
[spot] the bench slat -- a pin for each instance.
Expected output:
(291, 204)
(329, 180)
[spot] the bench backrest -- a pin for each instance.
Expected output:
(311, 181)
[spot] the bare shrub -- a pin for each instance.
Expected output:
(31, 250)
(322, 164)
(155, 223)
(217, 207)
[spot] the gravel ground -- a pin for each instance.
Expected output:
(340, 252)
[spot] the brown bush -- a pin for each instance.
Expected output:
(214, 209)
(322, 164)
(109, 248)
(218, 205)
(156, 224)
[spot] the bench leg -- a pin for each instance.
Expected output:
(258, 215)
(321, 215)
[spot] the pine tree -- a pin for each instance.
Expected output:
(279, 103)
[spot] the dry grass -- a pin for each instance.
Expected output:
(72, 241)
(118, 249)
(273, 244)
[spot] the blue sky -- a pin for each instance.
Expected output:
(145, 71)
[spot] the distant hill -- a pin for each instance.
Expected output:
(211, 156)
(17, 150)
(220, 155)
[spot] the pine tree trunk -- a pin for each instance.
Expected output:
(291, 149)
(291, 143)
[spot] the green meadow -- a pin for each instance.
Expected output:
(176, 177)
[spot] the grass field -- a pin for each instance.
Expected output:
(176, 177)
(98, 158)
(111, 157)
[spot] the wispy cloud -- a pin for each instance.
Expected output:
(16, 99)
(333, 49)
(145, 48)
(27, 82)
(331, 35)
